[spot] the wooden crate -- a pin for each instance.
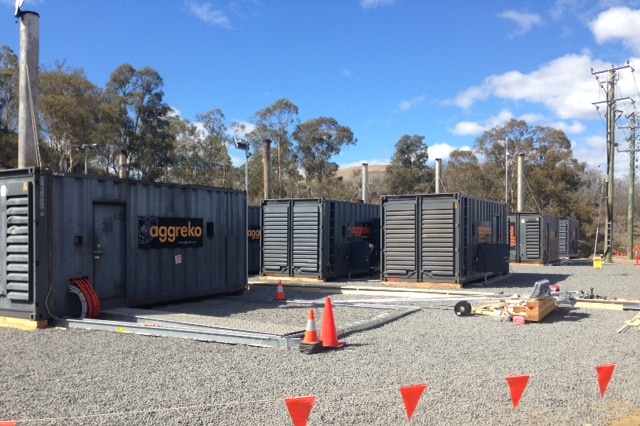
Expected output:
(536, 310)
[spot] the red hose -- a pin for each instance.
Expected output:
(93, 302)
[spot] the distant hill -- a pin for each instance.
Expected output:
(375, 172)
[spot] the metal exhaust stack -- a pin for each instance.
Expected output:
(520, 205)
(123, 173)
(266, 163)
(438, 171)
(28, 91)
(365, 183)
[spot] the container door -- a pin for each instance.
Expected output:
(109, 250)
(399, 246)
(438, 240)
(305, 229)
(563, 238)
(531, 244)
(275, 239)
(513, 235)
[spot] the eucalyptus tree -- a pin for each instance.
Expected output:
(408, 172)
(9, 77)
(69, 105)
(135, 119)
(552, 175)
(8, 108)
(464, 173)
(276, 122)
(318, 141)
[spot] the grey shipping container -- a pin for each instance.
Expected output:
(533, 238)
(136, 243)
(568, 235)
(318, 238)
(442, 238)
(253, 239)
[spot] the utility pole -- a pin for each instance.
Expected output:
(506, 173)
(632, 181)
(611, 149)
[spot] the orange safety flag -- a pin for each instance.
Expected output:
(517, 385)
(605, 372)
(300, 409)
(411, 396)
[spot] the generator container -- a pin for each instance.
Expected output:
(253, 239)
(533, 238)
(136, 243)
(568, 234)
(320, 239)
(442, 238)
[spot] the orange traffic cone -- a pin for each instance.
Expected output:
(310, 334)
(310, 344)
(328, 334)
(280, 292)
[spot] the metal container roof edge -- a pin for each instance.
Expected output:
(39, 172)
(433, 195)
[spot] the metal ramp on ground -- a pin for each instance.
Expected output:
(190, 326)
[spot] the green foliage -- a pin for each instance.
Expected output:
(551, 173)
(408, 172)
(555, 182)
(9, 77)
(69, 105)
(8, 149)
(201, 155)
(465, 174)
(135, 119)
(276, 123)
(319, 140)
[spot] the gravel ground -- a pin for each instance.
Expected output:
(77, 377)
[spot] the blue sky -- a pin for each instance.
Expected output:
(446, 70)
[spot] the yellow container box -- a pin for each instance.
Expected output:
(597, 263)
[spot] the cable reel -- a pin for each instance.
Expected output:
(462, 308)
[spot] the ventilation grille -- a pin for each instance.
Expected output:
(17, 249)
(533, 240)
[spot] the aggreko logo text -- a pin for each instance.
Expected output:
(166, 233)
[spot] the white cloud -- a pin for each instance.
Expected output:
(575, 127)
(443, 151)
(206, 13)
(412, 103)
(473, 128)
(372, 4)
(347, 73)
(618, 23)
(468, 128)
(240, 129)
(565, 86)
(525, 21)
(532, 118)
(592, 150)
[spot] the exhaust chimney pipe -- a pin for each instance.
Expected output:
(123, 173)
(365, 183)
(438, 172)
(520, 205)
(266, 163)
(28, 89)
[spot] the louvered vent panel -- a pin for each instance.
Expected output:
(17, 248)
